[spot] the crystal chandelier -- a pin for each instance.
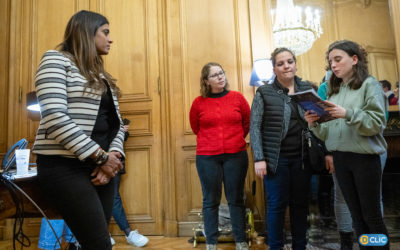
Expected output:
(293, 30)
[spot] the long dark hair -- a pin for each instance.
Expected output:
(360, 70)
(80, 47)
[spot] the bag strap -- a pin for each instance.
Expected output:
(301, 121)
(307, 134)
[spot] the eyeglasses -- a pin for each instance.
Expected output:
(216, 75)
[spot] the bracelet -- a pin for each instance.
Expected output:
(97, 152)
(101, 158)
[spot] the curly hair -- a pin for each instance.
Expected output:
(205, 89)
(360, 70)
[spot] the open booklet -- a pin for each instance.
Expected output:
(310, 101)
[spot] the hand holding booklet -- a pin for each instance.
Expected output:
(310, 101)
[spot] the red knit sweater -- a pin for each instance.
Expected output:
(221, 123)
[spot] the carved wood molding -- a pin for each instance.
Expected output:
(134, 132)
(126, 98)
(373, 49)
(359, 3)
(189, 148)
(143, 218)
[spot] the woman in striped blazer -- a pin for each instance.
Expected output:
(79, 143)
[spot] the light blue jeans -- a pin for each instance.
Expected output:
(47, 239)
(342, 212)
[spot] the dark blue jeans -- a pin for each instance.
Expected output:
(231, 169)
(290, 185)
(359, 178)
(118, 211)
(84, 207)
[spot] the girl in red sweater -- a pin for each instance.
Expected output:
(220, 119)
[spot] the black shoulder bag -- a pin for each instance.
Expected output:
(313, 149)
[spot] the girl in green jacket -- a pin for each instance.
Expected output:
(356, 137)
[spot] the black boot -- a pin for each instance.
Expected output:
(346, 240)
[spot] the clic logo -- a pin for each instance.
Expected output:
(373, 240)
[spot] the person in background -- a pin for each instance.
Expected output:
(395, 100)
(387, 86)
(276, 126)
(324, 181)
(133, 237)
(356, 137)
(79, 143)
(220, 119)
(322, 89)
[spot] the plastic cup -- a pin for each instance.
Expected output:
(22, 159)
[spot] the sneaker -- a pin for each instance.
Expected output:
(112, 241)
(135, 238)
(211, 247)
(242, 246)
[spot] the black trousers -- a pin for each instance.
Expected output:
(85, 208)
(359, 178)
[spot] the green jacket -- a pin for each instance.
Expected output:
(361, 131)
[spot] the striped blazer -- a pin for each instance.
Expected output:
(68, 110)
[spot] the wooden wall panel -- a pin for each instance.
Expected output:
(193, 184)
(48, 25)
(5, 6)
(18, 70)
(36, 26)
(376, 36)
(202, 43)
(136, 182)
(142, 123)
(130, 57)
(262, 42)
(134, 62)
(244, 49)
(373, 17)
(382, 64)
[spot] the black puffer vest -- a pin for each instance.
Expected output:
(276, 118)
